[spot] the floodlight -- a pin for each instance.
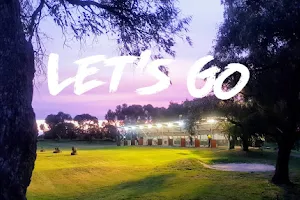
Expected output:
(211, 121)
(181, 123)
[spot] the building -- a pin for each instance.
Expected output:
(176, 130)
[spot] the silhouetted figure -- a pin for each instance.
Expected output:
(137, 139)
(209, 140)
(74, 151)
(191, 140)
(57, 150)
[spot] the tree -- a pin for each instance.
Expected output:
(110, 115)
(53, 120)
(88, 126)
(111, 132)
(131, 113)
(259, 34)
(231, 132)
(42, 127)
(246, 120)
(135, 25)
(200, 108)
(87, 123)
(62, 130)
(176, 109)
(59, 126)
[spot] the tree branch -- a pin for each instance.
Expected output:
(234, 122)
(96, 4)
(35, 14)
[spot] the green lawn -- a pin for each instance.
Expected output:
(105, 172)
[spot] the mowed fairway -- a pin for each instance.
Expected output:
(109, 172)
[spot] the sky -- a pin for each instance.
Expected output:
(207, 17)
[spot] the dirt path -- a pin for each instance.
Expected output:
(241, 167)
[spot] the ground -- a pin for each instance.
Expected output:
(111, 172)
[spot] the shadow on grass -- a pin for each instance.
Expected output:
(291, 192)
(236, 156)
(183, 154)
(132, 189)
(146, 185)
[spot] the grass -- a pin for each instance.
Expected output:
(113, 173)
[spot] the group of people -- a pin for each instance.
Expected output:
(208, 137)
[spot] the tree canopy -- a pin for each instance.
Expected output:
(264, 35)
(134, 25)
(139, 113)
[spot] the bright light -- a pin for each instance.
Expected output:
(141, 127)
(159, 125)
(211, 121)
(181, 123)
(170, 125)
(126, 128)
(133, 127)
(149, 126)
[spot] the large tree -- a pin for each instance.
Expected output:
(53, 120)
(201, 108)
(136, 26)
(265, 36)
(248, 122)
(87, 123)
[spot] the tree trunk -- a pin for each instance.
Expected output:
(18, 129)
(232, 143)
(231, 140)
(281, 175)
(245, 141)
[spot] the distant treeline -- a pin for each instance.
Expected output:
(62, 126)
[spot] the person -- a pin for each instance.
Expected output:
(191, 140)
(137, 139)
(209, 140)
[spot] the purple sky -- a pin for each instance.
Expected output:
(207, 16)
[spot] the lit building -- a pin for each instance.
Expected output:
(176, 130)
